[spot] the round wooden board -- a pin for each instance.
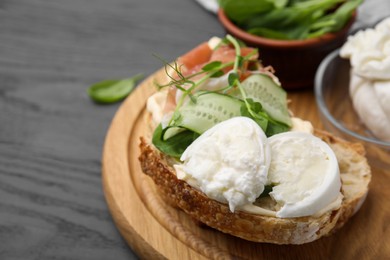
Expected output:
(156, 230)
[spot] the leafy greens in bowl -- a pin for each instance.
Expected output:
(289, 19)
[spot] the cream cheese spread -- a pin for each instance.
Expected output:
(300, 125)
(155, 105)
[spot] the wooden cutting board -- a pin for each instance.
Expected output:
(155, 230)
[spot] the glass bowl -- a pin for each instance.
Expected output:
(337, 112)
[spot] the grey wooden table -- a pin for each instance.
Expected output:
(51, 135)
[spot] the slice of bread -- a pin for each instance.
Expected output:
(355, 177)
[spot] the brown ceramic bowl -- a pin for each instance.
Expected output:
(295, 61)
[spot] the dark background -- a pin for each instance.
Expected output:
(51, 135)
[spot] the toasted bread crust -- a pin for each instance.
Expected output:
(258, 228)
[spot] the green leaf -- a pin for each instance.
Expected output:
(258, 118)
(111, 91)
(280, 3)
(175, 145)
(232, 78)
(269, 33)
(255, 106)
(293, 19)
(240, 62)
(334, 21)
(211, 66)
(275, 127)
(254, 110)
(240, 10)
(217, 74)
(286, 33)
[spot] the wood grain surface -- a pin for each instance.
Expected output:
(52, 204)
(155, 229)
(51, 135)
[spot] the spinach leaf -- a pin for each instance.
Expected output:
(280, 3)
(174, 146)
(293, 19)
(286, 34)
(292, 22)
(239, 10)
(111, 91)
(334, 21)
(275, 127)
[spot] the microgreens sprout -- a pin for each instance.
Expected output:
(187, 85)
(253, 108)
(234, 79)
(238, 52)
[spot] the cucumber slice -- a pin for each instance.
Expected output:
(209, 109)
(172, 131)
(261, 88)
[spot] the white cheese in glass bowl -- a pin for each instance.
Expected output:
(369, 54)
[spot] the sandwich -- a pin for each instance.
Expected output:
(224, 148)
